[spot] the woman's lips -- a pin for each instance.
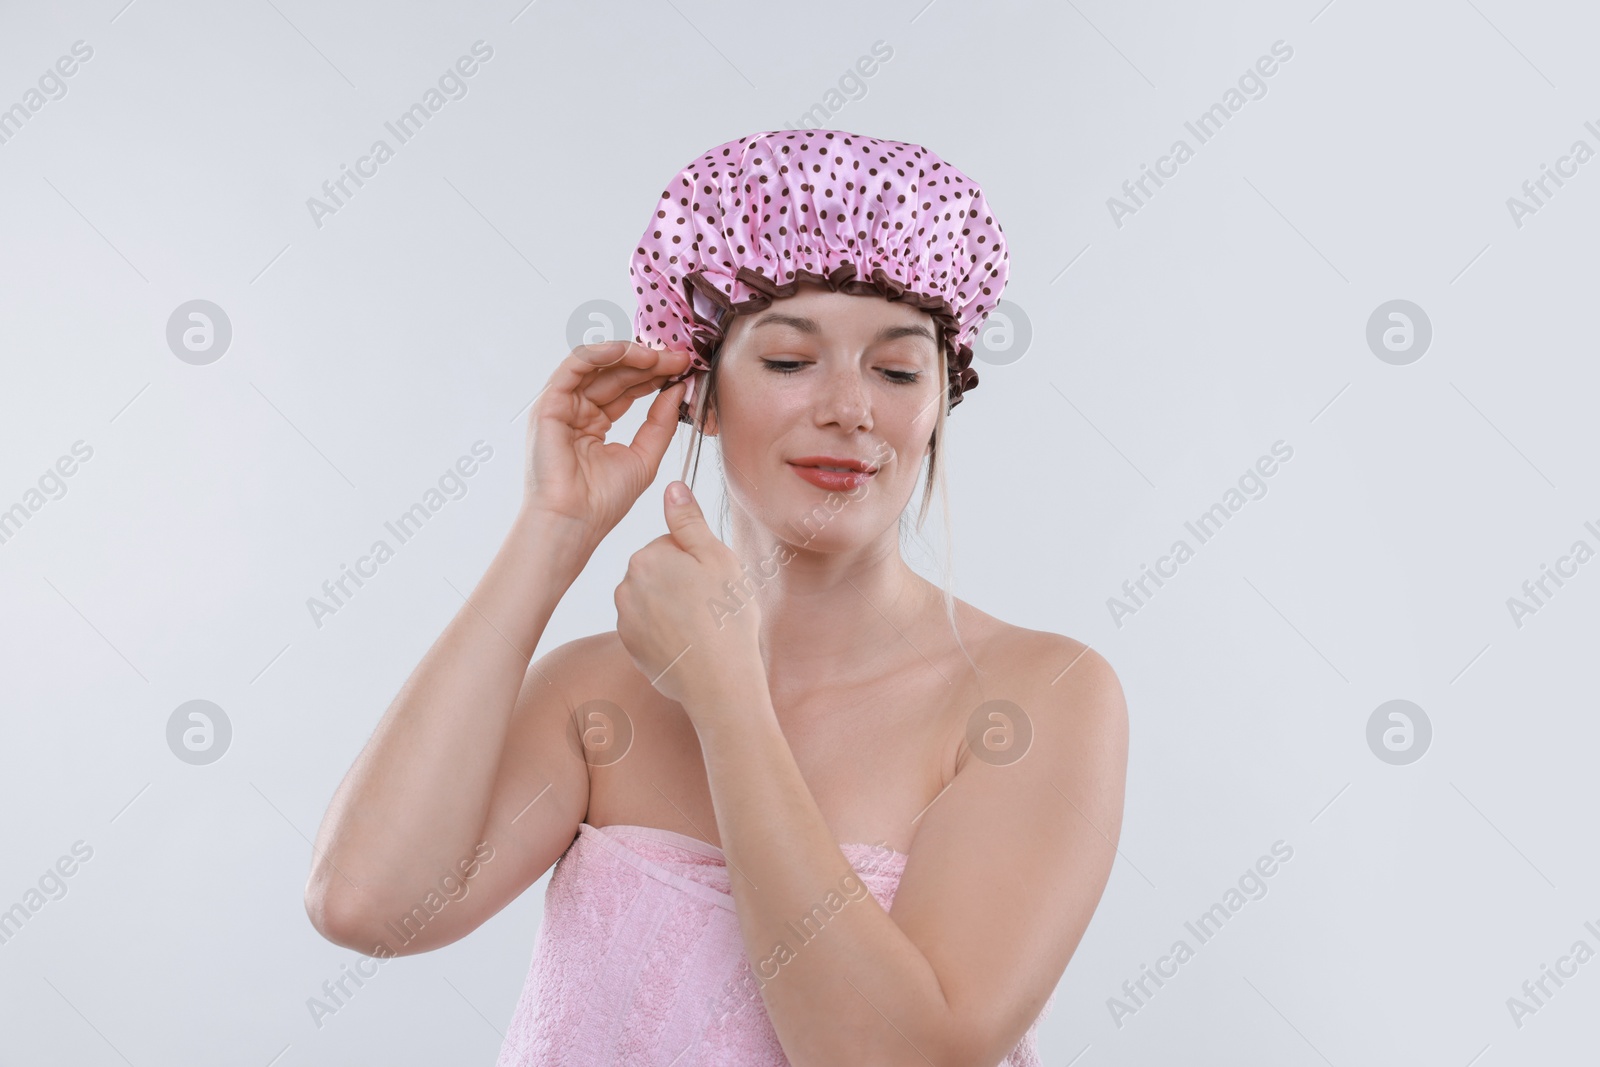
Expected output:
(838, 481)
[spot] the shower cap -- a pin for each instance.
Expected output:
(745, 223)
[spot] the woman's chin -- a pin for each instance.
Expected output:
(821, 528)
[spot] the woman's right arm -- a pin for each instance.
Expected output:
(468, 788)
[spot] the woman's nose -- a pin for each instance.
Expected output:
(844, 400)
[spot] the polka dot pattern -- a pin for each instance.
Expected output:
(748, 221)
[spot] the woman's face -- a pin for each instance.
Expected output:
(826, 374)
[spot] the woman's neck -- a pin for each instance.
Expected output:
(830, 615)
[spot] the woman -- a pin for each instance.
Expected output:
(808, 808)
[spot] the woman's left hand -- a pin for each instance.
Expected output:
(684, 609)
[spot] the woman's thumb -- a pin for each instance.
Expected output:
(660, 423)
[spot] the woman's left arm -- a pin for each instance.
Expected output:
(1006, 870)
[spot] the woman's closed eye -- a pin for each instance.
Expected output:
(791, 366)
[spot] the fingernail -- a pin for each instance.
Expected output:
(677, 493)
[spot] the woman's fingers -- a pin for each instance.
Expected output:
(617, 407)
(572, 470)
(595, 370)
(656, 432)
(614, 389)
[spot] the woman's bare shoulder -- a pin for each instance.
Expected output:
(999, 637)
(589, 666)
(1028, 655)
(1063, 696)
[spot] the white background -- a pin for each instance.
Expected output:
(1227, 313)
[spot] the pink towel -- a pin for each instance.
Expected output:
(640, 959)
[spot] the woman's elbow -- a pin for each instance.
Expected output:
(341, 918)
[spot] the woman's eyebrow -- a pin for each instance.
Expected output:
(804, 325)
(889, 333)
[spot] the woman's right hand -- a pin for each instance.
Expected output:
(573, 474)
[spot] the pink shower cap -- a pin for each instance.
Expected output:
(747, 222)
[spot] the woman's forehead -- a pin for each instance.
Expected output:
(817, 310)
